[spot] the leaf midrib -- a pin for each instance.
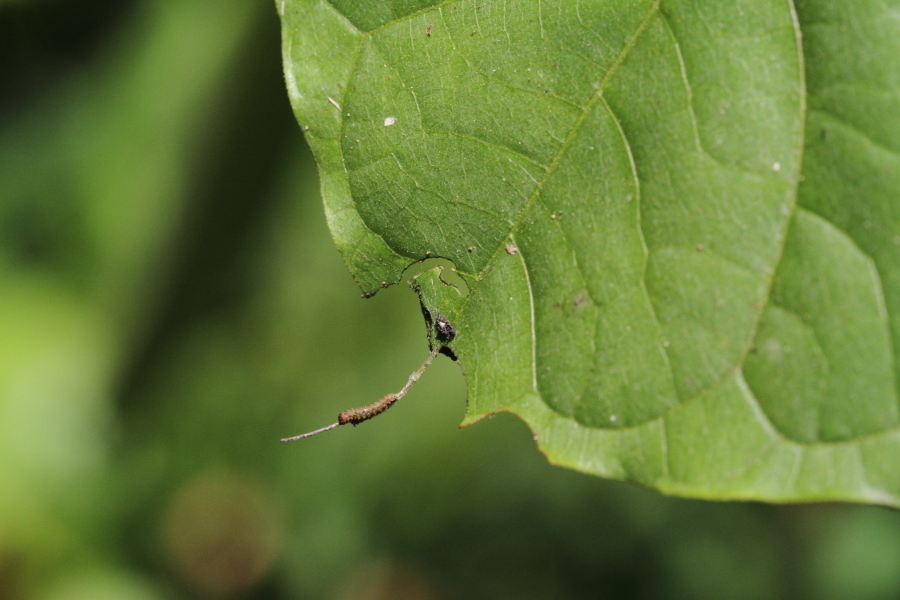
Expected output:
(574, 130)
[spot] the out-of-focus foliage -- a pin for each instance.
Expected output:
(171, 304)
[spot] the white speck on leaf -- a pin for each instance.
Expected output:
(389, 121)
(776, 167)
(336, 105)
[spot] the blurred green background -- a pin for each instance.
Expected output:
(171, 304)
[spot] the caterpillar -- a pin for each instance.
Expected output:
(358, 415)
(364, 413)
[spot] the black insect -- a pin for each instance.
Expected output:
(443, 327)
(444, 332)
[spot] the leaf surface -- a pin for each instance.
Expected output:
(676, 221)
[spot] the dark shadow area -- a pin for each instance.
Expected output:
(43, 42)
(239, 161)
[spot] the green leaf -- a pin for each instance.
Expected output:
(677, 222)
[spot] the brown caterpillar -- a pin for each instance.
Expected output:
(364, 413)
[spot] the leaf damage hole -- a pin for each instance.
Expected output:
(449, 274)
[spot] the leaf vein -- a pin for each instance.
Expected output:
(521, 254)
(792, 207)
(856, 129)
(499, 147)
(575, 128)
